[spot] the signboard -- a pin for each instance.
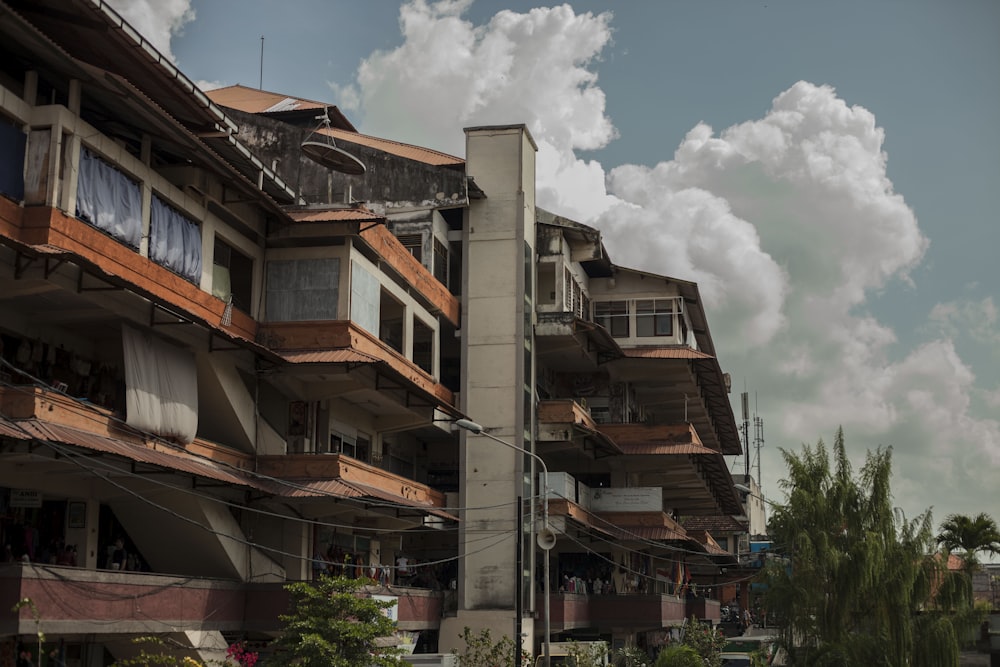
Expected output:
(25, 498)
(631, 499)
(393, 611)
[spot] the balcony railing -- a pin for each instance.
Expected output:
(72, 600)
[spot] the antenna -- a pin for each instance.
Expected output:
(758, 436)
(260, 86)
(744, 400)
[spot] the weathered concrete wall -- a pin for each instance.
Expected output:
(390, 182)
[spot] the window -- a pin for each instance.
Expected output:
(441, 262)
(232, 275)
(390, 326)
(302, 290)
(414, 243)
(654, 317)
(613, 316)
(112, 202)
(174, 240)
(423, 346)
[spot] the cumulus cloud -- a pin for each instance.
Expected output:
(788, 223)
(976, 319)
(156, 20)
(531, 68)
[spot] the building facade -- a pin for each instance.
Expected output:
(230, 361)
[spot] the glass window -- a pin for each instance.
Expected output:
(232, 275)
(613, 316)
(654, 317)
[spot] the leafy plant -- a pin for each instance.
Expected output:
(334, 624)
(482, 651)
(630, 656)
(591, 654)
(705, 640)
(679, 655)
(861, 585)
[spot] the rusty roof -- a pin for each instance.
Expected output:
(35, 429)
(338, 356)
(252, 100)
(338, 488)
(658, 533)
(636, 448)
(398, 148)
(717, 523)
(665, 352)
(335, 215)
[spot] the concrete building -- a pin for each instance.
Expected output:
(247, 366)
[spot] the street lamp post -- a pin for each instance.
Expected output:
(478, 429)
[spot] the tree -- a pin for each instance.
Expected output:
(860, 585)
(679, 655)
(482, 651)
(705, 640)
(333, 623)
(970, 536)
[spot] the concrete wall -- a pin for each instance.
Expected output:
(501, 159)
(391, 182)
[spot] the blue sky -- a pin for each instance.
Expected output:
(828, 173)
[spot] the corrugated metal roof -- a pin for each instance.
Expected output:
(252, 100)
(339, 356)
(654, 448)
(671, 352)
(319, 488)
(409, 151)
(717, 523)
(335, 215)
(33, 429)
(310, 488)
(661, 533)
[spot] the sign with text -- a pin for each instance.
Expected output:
(25, 498)
(631, 499)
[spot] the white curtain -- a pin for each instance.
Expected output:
(108, 199)
(174, 240)
(161, 387)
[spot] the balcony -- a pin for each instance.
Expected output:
(646, 611)
(566, 424)
(74, 600)
(695, 478)
(704, 609)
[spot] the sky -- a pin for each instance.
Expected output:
(828, 173)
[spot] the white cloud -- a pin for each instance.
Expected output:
(519, 68)
(976, 319)
(788, 222)
(156, 20)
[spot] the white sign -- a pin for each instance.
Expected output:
(392, 612)
(25, 498)
(630, 499)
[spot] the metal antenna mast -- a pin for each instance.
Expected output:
(746, 431)
(758, 437)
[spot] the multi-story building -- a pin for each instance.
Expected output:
(236, 337)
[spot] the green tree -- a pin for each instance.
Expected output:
(333, 623)
(705, 640)
(679, 655)
(630, 656)
(588, 655)
(482, 651)
(970, 536)
(861, 585)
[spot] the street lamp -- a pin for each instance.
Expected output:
(545, 537)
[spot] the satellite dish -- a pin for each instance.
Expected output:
(546, 538)
(331, 157)
(322, 150)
